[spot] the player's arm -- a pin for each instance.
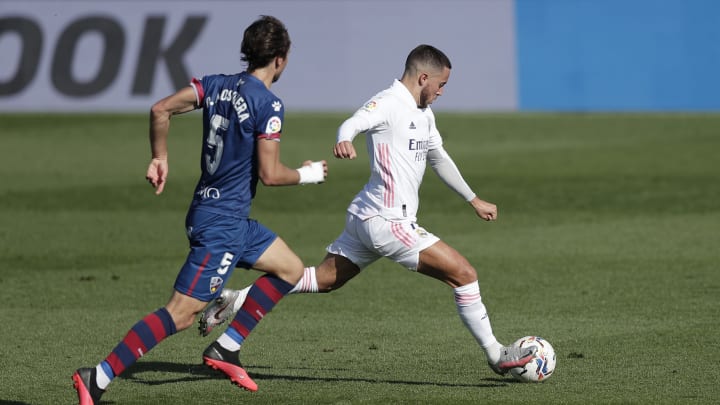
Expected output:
(443, 165)
(348, 130)
(272, 172)
(182, 101)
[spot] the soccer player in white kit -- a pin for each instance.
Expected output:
(401, 139)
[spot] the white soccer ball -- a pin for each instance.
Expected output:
(541, 367)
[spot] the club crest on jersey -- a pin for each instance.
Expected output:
(276, 105)
(215, 283)
(370, 105)
(274, 125)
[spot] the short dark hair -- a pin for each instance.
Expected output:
(426, 55)
(264, 40)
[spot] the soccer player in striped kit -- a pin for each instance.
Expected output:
(401, 138)
(242, 126)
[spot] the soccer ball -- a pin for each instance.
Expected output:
(541, 367)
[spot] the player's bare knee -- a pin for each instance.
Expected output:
(465, 275)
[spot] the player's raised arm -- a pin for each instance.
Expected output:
(183, 100)
(363, 119)
(348, 130)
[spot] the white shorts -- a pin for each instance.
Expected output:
(363, 242)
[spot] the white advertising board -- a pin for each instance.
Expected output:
(124, 55)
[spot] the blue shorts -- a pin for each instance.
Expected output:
(218, 244)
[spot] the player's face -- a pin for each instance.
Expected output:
(433, 87)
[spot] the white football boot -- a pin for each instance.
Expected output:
(511, 357)
(220, 310)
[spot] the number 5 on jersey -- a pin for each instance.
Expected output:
(225, 263)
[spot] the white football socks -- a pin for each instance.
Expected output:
(228, 343)
(475, 317)
(101, 379)
(308, 283)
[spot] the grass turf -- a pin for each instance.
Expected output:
(607, 245)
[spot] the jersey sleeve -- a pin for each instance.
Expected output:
(199, 89)
(435, 141)
(203, 87)
(270, 119)
(375, 111)
(370, 115)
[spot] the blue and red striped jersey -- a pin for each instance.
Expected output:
(237, 111)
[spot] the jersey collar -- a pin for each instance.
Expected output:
(404, 94)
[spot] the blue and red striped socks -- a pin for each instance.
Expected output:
(262, 297)
(142, 337)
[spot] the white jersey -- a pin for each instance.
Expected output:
(398, 136)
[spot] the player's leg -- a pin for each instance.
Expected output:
(446, 264)
(413, 247)
(284, 269)
(209, 263)
(346, 257)
(442, 262)
(332, 273)
(337, 268)
(178, 314)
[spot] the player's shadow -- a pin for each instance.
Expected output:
(190, 372)
(198, 372)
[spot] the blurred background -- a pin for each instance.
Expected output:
(507, 55)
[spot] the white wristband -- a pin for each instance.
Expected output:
(312, 173)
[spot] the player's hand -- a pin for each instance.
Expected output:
(344, 150)
(324, 166)
(157, 174)
(484, 209)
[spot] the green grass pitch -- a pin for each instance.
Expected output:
(607, 245)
